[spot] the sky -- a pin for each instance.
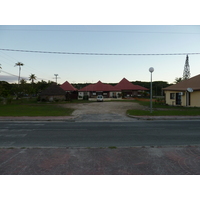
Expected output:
(90, 38)
(118, 39)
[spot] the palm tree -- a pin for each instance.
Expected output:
(23, 81)
(32, 77)
(178, 80)
(19, 64)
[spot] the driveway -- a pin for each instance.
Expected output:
(103, 111)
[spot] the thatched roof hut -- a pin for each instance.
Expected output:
(53, 92)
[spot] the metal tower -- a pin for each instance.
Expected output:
(186, 72)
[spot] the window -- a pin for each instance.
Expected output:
(172, 95)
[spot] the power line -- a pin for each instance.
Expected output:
(22, 77)
(9, 73)
(98, 31)
(100, 54)
(24, 69)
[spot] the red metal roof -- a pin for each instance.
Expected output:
(124, 84)
(99, 86)
(68, 87)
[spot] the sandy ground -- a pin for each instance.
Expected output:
(103, 107)
(103, 111)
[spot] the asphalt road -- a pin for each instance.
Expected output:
(99, 134)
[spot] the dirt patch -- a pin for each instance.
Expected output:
(103, 107)
(102, 111)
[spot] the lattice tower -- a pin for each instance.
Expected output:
(186, 72)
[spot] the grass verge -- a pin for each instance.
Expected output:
(34, 110)
(164, 110)
(170, 112)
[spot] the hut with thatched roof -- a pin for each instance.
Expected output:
(53, 93)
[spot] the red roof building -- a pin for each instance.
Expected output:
(71, 91)
(123, 89)
(68, 87)
(128, 88)
(124, 84)
(93, 90)
(98, 87)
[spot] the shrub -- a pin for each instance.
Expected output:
(160, 101)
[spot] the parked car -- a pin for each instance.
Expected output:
(99, 98)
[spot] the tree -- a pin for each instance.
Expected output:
(19, 64)
(23, 81)
(32, 78)
(178, 80)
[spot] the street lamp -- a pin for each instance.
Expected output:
(151, 69)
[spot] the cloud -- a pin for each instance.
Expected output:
(9, 79)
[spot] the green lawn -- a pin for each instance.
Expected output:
(34, 110)
(164, 110)
(170, 112)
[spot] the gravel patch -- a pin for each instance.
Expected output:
(103, 111)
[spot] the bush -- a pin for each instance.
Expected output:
(160, 101)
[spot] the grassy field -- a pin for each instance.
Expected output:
(34, 110)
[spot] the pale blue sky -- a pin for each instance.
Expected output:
(132, 39)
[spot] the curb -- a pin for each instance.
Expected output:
(164, 117)
(40, 118)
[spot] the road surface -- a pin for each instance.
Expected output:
(99, 134)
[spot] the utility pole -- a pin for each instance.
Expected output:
(56, 75)
(186, 72)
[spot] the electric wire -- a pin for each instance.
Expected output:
(8, 73)
(23, 77)
(100, 54)
(14, 60)
(30, 69)
(99, 31)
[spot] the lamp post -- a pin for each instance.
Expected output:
(151, 69)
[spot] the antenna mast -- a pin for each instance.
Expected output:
(186, 72)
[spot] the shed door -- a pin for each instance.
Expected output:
(178, 99)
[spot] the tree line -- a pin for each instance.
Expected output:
(32, 89)
(23, 89)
